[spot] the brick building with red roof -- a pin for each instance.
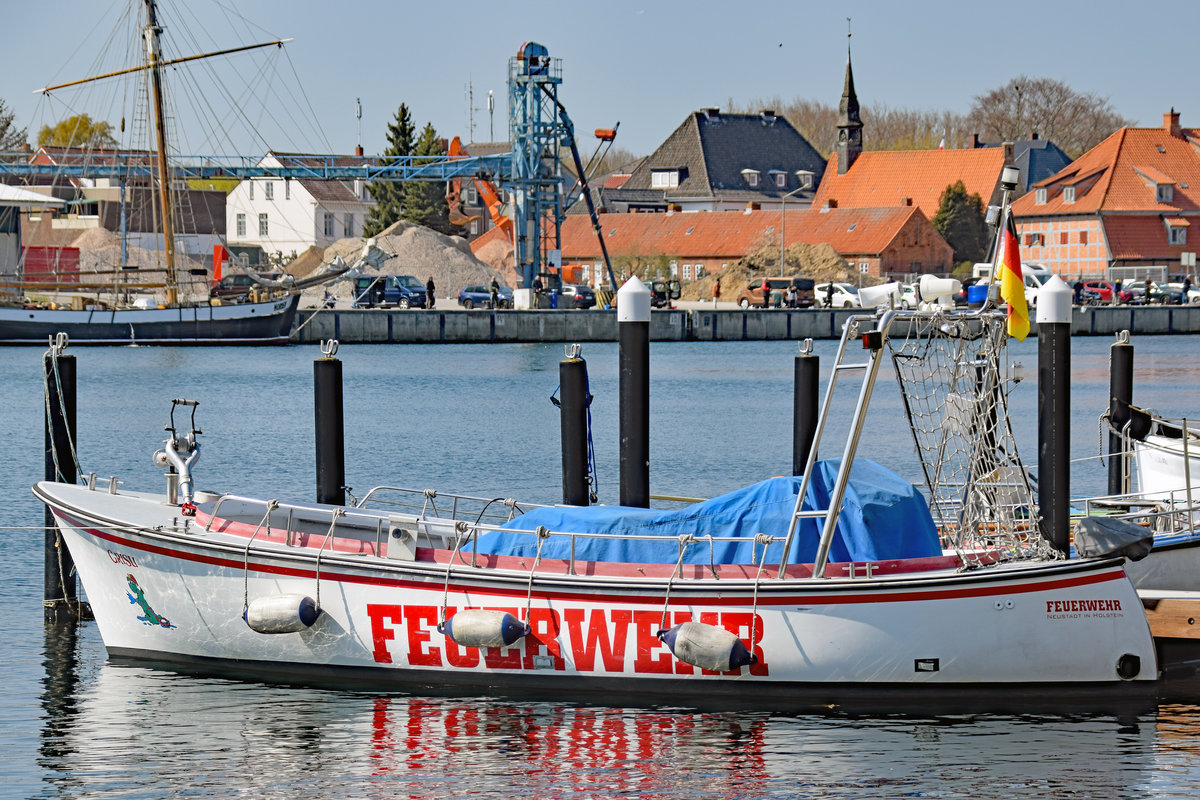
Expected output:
(907, 178)
(876, 241)
(1130, 201)
(912, 178)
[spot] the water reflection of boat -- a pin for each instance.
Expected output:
(223, 738)
(812, 586)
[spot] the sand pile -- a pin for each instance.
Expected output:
(820, 262)
(100, 251)
(498, 254)
(417, 251)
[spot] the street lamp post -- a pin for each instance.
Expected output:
(783, 225)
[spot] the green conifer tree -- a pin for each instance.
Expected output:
(425, 201)
(388, 195)
(961, 223)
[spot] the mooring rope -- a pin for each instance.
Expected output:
(52, 355)
(684, 540)
(765, 540)
(266, 520)
(542, 535)
(337, 513)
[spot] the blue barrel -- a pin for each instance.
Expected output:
(554, 298)
(976, 294)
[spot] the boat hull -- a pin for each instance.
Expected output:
(1163, 470)
(243, 323)
(176, 595)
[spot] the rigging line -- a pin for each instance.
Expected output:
(167, 63)
(311, 121)
(290, 104)
(230, 10)
(233, 106)
(312, 112)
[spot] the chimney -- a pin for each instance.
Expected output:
(768, 115)
(973, 142)
(831, 203)
(358, 151)
(752, 206)
(711, 113)
(1171, 124)
(906, 201)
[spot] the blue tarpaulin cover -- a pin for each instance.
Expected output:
(884, 517)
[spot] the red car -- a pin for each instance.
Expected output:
(1104, 289)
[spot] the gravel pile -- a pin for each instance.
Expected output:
(100, 250)
(417, 251)
(819, 262)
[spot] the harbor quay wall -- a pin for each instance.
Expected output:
(415, 326)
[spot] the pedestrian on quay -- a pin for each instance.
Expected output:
(496, 292)
(716, 292)
(1078, 288)
(1116, 298)
(429, 288)
(766, 293)
(1187, 286)
(829, 295)
(791, 295)
(537, 291)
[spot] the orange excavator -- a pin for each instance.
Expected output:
(487, 192)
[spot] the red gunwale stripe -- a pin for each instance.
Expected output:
(851, 598)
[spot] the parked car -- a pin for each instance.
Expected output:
(235, 288)
(662, 292)
(384, 291)
(573, 295)
(752, 294)
(908, 296)
(845, 295)
(1193, 294)
(480, 296)
(1103, 289)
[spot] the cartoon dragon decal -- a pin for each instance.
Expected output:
(138, 598)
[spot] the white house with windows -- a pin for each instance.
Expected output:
(290, 215)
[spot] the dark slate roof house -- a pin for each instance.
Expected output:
(721, 162)
(1037, 159)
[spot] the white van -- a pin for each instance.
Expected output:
(1035, 276)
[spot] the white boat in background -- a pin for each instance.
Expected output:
(791, 587)
(1165, 454)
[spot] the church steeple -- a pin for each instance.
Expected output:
(849, 141)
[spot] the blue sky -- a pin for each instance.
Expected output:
(645, 64)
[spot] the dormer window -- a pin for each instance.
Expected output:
(1176, 230)
(780, 178)
(664, 178)
(751, 177)
(806, 178)
(1164, 192)
(1069, 194)
(1039, 196)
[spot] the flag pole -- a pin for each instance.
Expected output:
(1008, 184)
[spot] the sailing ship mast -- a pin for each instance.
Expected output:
(155, 63)
(153, 55)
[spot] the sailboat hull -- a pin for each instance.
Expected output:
(243, 323)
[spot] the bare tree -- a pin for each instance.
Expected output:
(11, 137)
(1075, 121)
(884, 128)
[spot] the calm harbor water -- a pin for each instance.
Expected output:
(477, 419)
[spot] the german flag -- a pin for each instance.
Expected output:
(1012, 283)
